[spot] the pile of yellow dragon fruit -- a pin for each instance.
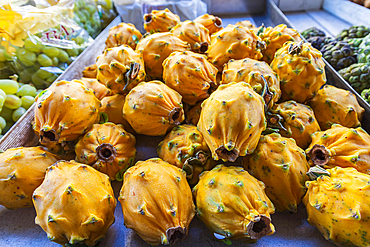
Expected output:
(255, 95)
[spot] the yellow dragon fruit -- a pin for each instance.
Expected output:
(301, 71)
(338, 205)
(191, 75)
(123, 34)
(193, 33)
(90, 71)
(157, 202)
(233, 204)
(64, 112)
(275, 37)
(160, 21)
(293, 120)
(185, 148)
(22, 170)
(75, 204)
(234, 42)
(112, 106)
(211, 22)
(100, 91)
(108, 148)
(152, 108)
(333, 105)
(340, 146)
(155, 48)
(192, 116)
(281, 165)
(120, 69)
(252, 71)
(232, 120)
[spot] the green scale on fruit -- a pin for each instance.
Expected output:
(312, 32)
(339, 54)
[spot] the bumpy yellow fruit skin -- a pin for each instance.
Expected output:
(190, 74)
(340, 146)
(301, 71)
(275, 37)
(90, 71)
(157, 202)
(339, 206)
(109, 148)
(152, 108)
(100, 90)
(233, 42)
(232, 120)
(185, 148)
(160, 21)
(112, 106)
(120, 69)
(155, 48)
(246, 24)
(298, 120)
(22, 170)
(335, 105)
(281, 165)
(193, 33)
(211, 22)
(64, 112)
(233, 204)
(123, 34)
(251, 71)
(74, 204)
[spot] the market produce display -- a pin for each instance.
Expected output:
(348, 53)
(255, 98)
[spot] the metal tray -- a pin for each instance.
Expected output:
(18, 227)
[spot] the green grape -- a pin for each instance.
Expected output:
(25, 77)
(17, 114)
(2, 101)
(4, 56)
(43, 74)
(6, 113)
(55, 61)
(91, 9)
(28, 58)
(26, 90)
(51, 51)
(32, 46)
(85, 13)
(51, 79)
(8, 125)
(12, 102)
(9, 86)
(38, 82)
(27, 101)
(2, 123)
(70, 60)
(79, 40)
(63, 56)
(2, 93)
(44, 60)
(72, 52)
(82, 17)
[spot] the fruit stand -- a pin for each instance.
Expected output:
(18, 226)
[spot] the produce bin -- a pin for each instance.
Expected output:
(18, 227)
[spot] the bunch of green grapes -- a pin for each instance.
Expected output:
(87, 16)
(41, 64)
(15, 99)
(107, 12)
